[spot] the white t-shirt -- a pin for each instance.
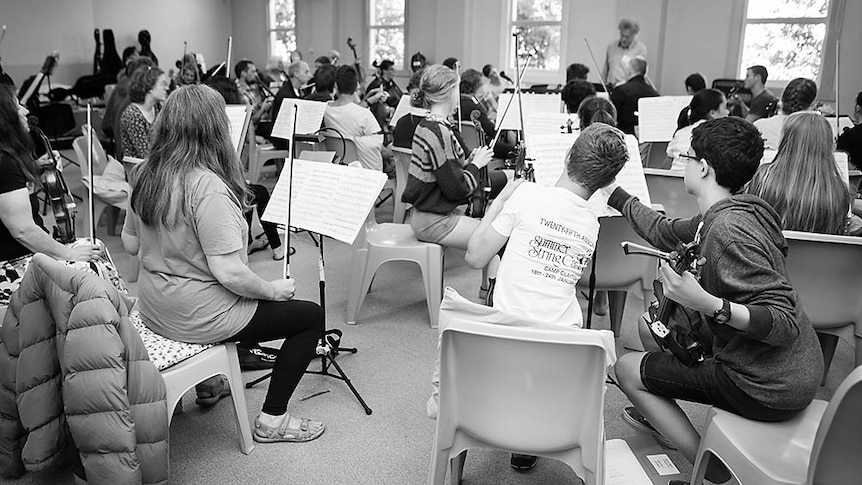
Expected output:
(771, 129)
(552, 235)
(358, 124)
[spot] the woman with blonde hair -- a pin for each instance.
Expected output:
(186, 225)
(803, 184)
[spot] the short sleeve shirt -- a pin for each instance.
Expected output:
(12, 179)
(135, 132)
(179, 296)
(552, 235)
(760, 103)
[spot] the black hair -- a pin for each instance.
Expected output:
(471, 80)
(597, 110)
(450, 62)
(702, 103)
(798, 95)
(576, 91)
(226, 87)
(733, 148)
(15, 142)
(761, 71)
(417, 61)
(129, 52)
(324, 78)
(577, 71)
(696, 82)
(345, 79)
(323, 61)
(385, 65)
(241, 67)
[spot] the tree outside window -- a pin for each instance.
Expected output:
(282, 28)
(386, 31)
(539, 25)
(786, 36)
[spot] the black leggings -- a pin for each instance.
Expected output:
(261, 198)
(300, 324)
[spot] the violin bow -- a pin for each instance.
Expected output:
(596, 65)
(227, 63)
(517, 89)
(90, 206)
(518, 80)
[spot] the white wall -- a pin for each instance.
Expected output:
(36, 27)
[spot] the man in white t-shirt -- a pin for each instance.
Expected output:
(550, 234)
(355, 122)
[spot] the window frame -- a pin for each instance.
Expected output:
(270, 29)
(781, 83)
(533, 75)
(403, 68)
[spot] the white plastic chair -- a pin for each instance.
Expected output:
(402, 166)
(380, 243)
(258, 154)
(498, 390)
(183, 366)
(344, 148)
(667, 187)
(617, 272)
(822, 445)
(315, 156)
(825, 271)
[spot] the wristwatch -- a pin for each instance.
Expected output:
(722, 315)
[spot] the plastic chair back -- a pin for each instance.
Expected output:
(344, 148)
(314, 156)
(667, 188)
(615, 270)
(402, 168)
(838, 442)
(855, 180)
(824, 270)
(100, 158)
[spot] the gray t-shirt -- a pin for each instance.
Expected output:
(179, 296)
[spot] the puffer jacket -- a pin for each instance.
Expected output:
(72, 367)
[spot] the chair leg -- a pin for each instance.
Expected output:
(828, 343)
(616, 303)
(356, 290)
(237, 391)
(458, 468)
(439, 462)
(432, 274)
(113, 216)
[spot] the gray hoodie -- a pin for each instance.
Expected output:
(778, 360)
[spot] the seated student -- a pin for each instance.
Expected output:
(195, 285)
(324, 84)
(147, 89)
(248, 83)
(802, 183)
(120, 97)
(693, 83)
(402, 135)
(383, 94)
(576, 91)
(761, 98)
(766, 361)
(625, 96)
(561, 216)
(594, 109)
(442, 177)
(706, 104)
(353, 121)
(799, 94)
(471, 81)
(577, 71)
(850, 140)
(298, 74)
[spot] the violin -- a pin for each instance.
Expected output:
(479, 200)
(62, 203)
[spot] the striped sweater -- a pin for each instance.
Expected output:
(438, 180)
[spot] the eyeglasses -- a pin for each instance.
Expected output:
(690, 157)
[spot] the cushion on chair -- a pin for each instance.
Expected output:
(164, 352)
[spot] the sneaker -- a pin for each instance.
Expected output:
(637, 420)
(523, 462)
(283, 433)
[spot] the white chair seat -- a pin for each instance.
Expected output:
(394, 236)
(164, 352)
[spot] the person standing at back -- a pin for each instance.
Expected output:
(761, 98)
(620, 53)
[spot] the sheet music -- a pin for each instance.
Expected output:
(657, 116)
(631, 178)
(548, 152)
(534, 104)
(402, 109)
(333, 200)
(622, 466)
(839, 124)
(548, 123)
(309, 117)
(238, 116)
(841, 161)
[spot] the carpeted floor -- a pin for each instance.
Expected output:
(391, 371)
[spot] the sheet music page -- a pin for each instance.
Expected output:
(549, 152)
(237, 115)
(512, 118)
(309, 117)
(631, 178)
(622, 466)
(548, 123)
(657, 116)
(541, 103)
(402, 109)
(534, 105)
(841, 161)
(333, 200)
(839, 124)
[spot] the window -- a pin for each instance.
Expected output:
(386, 31)
(282, 28)
(539, 25)
(786, 36)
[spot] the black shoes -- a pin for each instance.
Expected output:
(523, 462)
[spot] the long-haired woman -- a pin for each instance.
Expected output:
(803, 184)
(22, 230)
(706, 104)
(187, 228)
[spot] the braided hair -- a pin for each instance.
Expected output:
(798, 95)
